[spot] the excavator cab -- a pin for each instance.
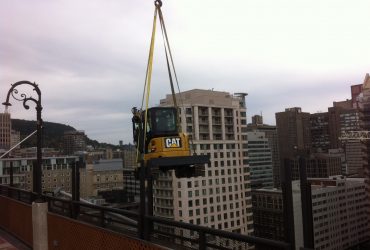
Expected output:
(161, 145)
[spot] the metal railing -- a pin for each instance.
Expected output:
(168, 233)
(17, 194)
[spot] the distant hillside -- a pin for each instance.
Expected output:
(52, 134)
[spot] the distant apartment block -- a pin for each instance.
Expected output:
(101, 176)
(130, 182)
(5, 131)
(257, 120)
(15, 138)
(74, 141)
(221, 199)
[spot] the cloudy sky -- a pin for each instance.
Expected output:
(89, 56)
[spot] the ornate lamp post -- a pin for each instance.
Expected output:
(13, 91)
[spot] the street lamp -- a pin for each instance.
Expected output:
(13, 91)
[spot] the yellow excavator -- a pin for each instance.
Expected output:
(159, 141)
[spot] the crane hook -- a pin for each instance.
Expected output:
(158, 3)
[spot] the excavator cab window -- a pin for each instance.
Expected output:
(163, 121)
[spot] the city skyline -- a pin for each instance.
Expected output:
(89, 57)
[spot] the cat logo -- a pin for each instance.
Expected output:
(173, 142)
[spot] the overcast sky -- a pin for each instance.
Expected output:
(89, 57)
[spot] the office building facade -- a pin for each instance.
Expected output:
(260, 160)
(271, 135)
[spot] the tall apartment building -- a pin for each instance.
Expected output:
(294, 137)
(260, 160)
(74, 141)
(221, 199)
(5, 131)
(271, 134)
(293, 129)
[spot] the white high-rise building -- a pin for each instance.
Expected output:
(216, 122)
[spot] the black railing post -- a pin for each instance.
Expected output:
(202, 240)
(102, 217)
(76, 188)
(9, 192)
(73, 189)
(34, 177)
(11, 173)
(306, 199)
(73, 181)
(141, 225)
(286, 186)
(78, 180)
(149, 191)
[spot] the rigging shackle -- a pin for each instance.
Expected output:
(158, 3)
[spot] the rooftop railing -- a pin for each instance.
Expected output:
(165, 232)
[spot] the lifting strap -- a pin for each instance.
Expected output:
(169, 58)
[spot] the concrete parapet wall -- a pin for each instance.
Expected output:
(16, 218)
(65, 233)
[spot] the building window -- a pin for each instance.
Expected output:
(197, 211)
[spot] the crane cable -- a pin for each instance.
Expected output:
(167, 45)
